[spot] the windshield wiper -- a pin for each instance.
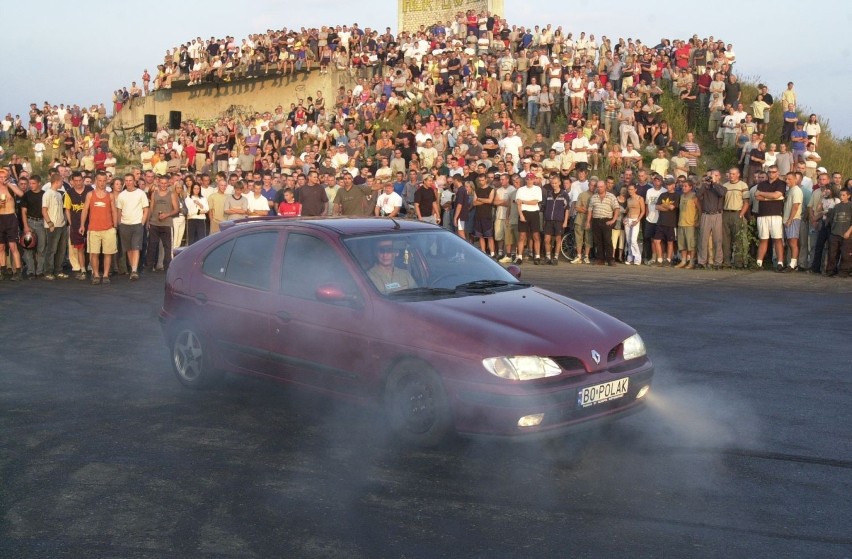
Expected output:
(422, 291)
(488, 284)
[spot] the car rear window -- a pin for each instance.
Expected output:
(251, 260)
(246, 260)
(216, 261)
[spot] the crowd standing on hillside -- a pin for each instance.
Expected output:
(462, 92)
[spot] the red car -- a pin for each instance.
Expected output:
(402, 315)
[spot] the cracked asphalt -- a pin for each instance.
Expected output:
(744, 449)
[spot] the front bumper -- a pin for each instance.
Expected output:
(495, 410)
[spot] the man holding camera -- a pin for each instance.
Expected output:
(711, 199)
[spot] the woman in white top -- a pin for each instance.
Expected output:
(813, 130)
(233, 162)
(769, 157)
(197, 209)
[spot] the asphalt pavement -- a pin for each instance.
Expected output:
(744, 449)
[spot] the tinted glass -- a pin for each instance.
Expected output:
(217, 260)
(251, 260)
(310, 262)
(426, 259)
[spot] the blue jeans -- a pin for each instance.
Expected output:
(448, 220)
(532, 113)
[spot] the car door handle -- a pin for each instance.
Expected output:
(283, 316)
(201, 298)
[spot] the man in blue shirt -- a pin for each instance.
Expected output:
(799, 140)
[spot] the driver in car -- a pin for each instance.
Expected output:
(385, 274)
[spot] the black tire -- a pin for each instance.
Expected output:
(416, 405)
(192, 360)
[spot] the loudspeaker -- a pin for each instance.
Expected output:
(174, 120)
(151, 124)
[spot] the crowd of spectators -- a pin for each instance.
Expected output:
(433, 129)
(59, 134)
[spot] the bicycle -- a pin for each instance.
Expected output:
(567, 246)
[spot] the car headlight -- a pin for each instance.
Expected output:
(521, 367)
(633, 347)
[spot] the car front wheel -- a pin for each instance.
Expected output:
(416, 405)
(191, 359)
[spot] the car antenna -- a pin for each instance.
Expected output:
(395, 224)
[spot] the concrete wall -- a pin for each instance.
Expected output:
(205, 102)
(414, 13)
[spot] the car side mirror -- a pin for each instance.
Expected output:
(334, 293)
(515, 271)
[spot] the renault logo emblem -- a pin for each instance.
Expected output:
(597, 357)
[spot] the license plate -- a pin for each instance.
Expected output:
(600, 393)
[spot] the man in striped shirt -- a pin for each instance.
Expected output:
(602, 214)
(693, 151)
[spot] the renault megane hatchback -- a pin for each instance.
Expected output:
(400, 315)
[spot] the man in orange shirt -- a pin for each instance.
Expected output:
(102, 215)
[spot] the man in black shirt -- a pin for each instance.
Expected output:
(31, 216)
(668, 204)
(770, 197)
(483, 204)
(312, 196)
(426, 201)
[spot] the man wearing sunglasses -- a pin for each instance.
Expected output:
(385, 274)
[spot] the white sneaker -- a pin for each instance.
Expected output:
(586, 260)
(505, 260)
(577, 260)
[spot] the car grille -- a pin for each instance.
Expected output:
(570, 365)
(613, 354)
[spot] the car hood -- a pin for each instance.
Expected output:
(529, 321)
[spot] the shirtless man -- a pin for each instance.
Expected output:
(9, 228)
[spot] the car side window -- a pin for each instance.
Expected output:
(251, 260)
(310, 262)
(216, 261)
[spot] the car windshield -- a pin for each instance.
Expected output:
(427, 264)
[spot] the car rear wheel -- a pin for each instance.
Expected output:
(191, 359)
(416, 405)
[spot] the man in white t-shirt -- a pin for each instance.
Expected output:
(651, 219)
(511, 145)
(577, 187)
(39, 149)
(132, 204)
(580, 147)
(812, 159)
(389, 203)
(528, 199)
(533, 91)
(145, 158)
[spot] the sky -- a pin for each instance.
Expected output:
(80, 52)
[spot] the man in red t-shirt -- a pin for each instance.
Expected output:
(682, 56)
(100, 158)
(289, 207)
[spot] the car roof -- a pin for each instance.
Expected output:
(340, 225)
